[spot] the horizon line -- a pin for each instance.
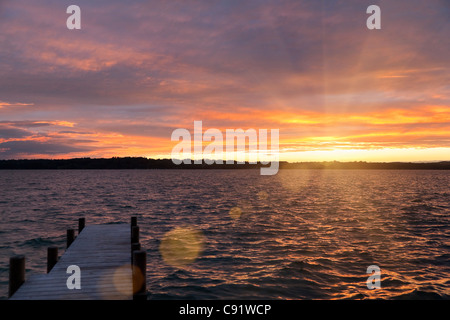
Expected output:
(224, 161)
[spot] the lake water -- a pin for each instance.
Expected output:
(302, 234)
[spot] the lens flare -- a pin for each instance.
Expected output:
(118, 282)
(138, 279)
(181, 246)
(235, 213)
(121, 279)
(263, 195)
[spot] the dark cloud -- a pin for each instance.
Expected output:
(74, 132)
(13, 133)
(26, 123)
(17, 149)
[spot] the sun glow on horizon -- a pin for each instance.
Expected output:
(370, 155)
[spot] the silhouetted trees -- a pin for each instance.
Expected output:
(144, 163)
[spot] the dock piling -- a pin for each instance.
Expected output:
(70, 237)
(133, 222)
(134, 247)
(139, 275)
(135, 234)
(16, 273)
(52, 257)
(81, 224)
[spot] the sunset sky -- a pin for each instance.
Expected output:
(137, 70)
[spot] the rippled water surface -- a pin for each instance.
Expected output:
(302, 234)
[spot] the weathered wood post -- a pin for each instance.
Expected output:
(134, 247)
(81, 224)
(139, 275)
(133, 222)
(52, 257)
(70, 237)
(16, 273)
(135, 234)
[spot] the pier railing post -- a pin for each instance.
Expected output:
(139, 275)
(134, 247)
(133, 222)
(70, 237)
(16, 273)
(52, 257)
(81, 224)
(135, 234)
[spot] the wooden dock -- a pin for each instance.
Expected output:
(103, 254)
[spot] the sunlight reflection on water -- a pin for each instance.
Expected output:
(302, 234)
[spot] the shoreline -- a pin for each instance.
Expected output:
(129, 163)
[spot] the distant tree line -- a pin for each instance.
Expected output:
(145, 163)
(443, 165)
(114, 163)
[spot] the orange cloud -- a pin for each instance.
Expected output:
(9, 104)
